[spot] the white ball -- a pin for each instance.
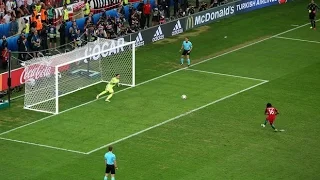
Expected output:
(184, 97)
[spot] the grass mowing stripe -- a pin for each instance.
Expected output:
(229, 75)
(177, 117)
(294, 39)
(42, 145)
(234, 50)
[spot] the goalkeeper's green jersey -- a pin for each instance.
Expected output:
(114, 81)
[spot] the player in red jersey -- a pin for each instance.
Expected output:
(271, 113)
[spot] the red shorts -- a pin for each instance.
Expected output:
(271, 119)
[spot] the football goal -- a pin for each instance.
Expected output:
(49, 78)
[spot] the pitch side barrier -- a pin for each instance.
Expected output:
(166, 30)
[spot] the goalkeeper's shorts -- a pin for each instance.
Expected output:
(109, 89)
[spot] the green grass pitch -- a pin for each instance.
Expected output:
(214, 134)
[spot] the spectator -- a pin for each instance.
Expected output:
(52, 36)
(4, 58)
(101, 33)
(26, 28)
(2, 21)
(73, 30)
(203, 6)
(44, 38)
(7, 17)
(184, 4)
(131, 11)
(51, 14)
(10, 6)
(4, 42)
(35, 44)
(29, 5)
(190, 10)
(165, 5)
(90, 17)
(162, 16)
(22, 48)
(147, 12)
(19, 3)
(142, 18)
(175, 7)
(181, 13)
(214, 3)
(90, 34)
(65, 13)
(38, 7)
(77, 41)
(125, 2)
(62, 31)
(67, 2)
(86, 8)
(39, 24)
(14, 27)
(136, 23)
(43, 14)
(102, 19)
(123, 30)
(155, 17)
(2, 9)
(34, 14)
(140, 6)
(23, 11)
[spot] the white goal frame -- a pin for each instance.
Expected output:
(56, 74)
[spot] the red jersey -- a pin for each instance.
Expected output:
(271, 112)
(4, 56)
(147, 9)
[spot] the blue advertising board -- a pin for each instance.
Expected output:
(250, 5)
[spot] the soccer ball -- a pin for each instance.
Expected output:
(184, 97)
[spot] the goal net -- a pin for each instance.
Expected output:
(49, 78)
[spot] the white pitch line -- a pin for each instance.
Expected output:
(223, 54)
(42, 145)
(177, 117)
(229, 75)
(301, 40)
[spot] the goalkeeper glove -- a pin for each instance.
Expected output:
(309, 11)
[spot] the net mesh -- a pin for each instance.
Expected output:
(93, 63)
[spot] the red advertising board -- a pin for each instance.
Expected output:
(21, 75)
(15, 79)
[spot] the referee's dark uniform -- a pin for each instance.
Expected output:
(312, 8)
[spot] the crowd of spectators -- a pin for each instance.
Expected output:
(39, 37)
(21, 8)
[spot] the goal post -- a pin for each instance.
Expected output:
(49, 78)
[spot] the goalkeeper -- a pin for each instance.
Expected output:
(109, 88)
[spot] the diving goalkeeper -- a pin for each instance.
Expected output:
(109, 88)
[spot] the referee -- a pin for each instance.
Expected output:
(111, 164)
(186, 47)
(312, 7)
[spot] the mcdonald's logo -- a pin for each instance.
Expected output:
(190, 22)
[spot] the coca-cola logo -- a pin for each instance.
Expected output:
(36, 71)
(98, 48)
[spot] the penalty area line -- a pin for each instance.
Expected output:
(177, 117)
(209, 59)
(229, 75)
(294, 39)
(42, 145)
